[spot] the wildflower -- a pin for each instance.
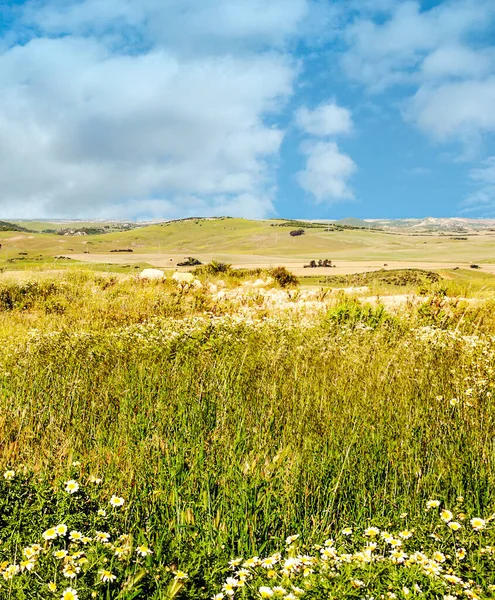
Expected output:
(406, 591)
(477, 524)
(327, 553)
(439, 557)
(357, 583)
(243, 574)
(102, 536)
(121, 551)
(76, 463)
(446, 515)
(398, 556)
(461, 553)
(75, 536)
(85, 539)
(251, 562)
(69, 594)
(102, 512)
(31, 551)
(52, 586)
(107, 576)
(432, 504)
(235, 562)
(9, 475)
(291, 539)
(70, 571)
(395, 543)
(454, 402)
(143, 551)
(50, 534)
(269, 562)
(27, 565)
(60, 554)
(347, 531)
(278, 590)
(371, 532)
(454, 525)
(10, 571)
(96, 480)
(452, 579)
(115, 501)
(405, 535)
(265, 592)
(71, 486)
(218, 597)
(61, 529)
(230, 585)
(181, 575)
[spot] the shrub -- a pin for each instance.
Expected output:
(296, 232)
(190, 261)
(283, 277)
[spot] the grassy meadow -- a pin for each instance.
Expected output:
(215, 439)
(239, 241)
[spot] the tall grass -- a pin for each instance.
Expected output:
(225, 436)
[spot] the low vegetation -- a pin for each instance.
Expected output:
(395, 277)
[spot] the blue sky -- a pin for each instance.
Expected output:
(252, 108)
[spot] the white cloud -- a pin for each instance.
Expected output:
(391, 52)
(441, 62)
(324, 120)
(85, 132)
(327, 172)
(457, 61)
(454, 110)
(186, 25)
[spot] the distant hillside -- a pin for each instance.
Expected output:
(6, 226)
(433, 224)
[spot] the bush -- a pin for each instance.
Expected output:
(215, 267)
(283, 277)
(190, 261)
(296, 232)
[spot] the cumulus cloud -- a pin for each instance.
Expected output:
(391, 52)
(93, 129)
(441, 53)
(454, 110)
(186, 25)
(327, 172)
(146, 107)
(324, 120)
(454, 61)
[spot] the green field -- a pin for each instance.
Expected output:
(152, 433)
(260, 241)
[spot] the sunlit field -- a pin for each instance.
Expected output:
(226, 435)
